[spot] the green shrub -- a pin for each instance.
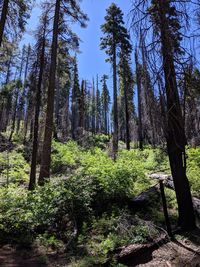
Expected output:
(130, 164)
(97, 140)
(120, 178)
(49, 241)
(98, 180)
(18, 170)
(22, 212)
(111, 231)
(148, 159)
(123, 178)
(193, 169)
(16, 219)
(64, 156)
(96, 184)
(56, 207)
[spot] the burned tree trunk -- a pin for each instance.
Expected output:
(176, 140)
(46, 152)
(3, 19)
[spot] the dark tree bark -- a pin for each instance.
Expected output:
(5, 112)
(115, 115)
(105, 120)
(93, 109)
(98, 111)
(150, 102)
(65, 117)
(105, 99)
(127, 117)
(75, 103)
(46, 152)
(32, 181)
(14, 113)
(176, 140)
(57, 108)
(18, 86)
(22, 98)
(8, 70)
(3, 19)
(82, 106)
(138, 75)
(73, 117)
(31, 103)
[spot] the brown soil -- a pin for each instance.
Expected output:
(12, 257)
(9, 257)
(184, 252)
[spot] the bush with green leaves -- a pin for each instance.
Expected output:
(112, 180)
(107, 179)
(97, 140)
(149, 159)
(59, 207)
(49, 241)
(64, 156)
(16, 219)
(97, 183)
(24, 214)
(193, 169)
(111, 231)
(14, 167)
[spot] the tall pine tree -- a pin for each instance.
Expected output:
(115, 34)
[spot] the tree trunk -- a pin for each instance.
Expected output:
(32, 181)
(93, 110)
(2, 114)
(14, 114)
(65, 117)
(8, 70)
(138, 74)
(22, 99)
(82, 106)
(46, 152)
(105, 120)
(57, 107)
(16, 100)
(176, 140)
(73, 116)
(127, 117)
(3, 19)
(115, 123)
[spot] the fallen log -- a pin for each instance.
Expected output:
(144, 198)
(168, 182)
(135, 254)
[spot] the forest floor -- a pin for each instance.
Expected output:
(183, 252)
(12, 257)
(97, 238)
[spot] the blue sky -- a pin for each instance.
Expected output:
(92, 59)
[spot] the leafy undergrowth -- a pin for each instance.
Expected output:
(83, 208)
(65, 211)
(193, 170)
(101, 238)
(13, 167)
(156, 160)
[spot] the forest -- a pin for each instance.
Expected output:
(100, 171)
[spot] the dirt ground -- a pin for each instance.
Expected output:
(12, 257)
(183, 252)
(173, 255)
(9, 257)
